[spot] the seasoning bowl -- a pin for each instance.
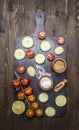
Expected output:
(46, 82)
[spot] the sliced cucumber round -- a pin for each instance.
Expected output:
(45, 46)
(50, 111)
(43, 97)
(59, 50)
(31, 71)
(27, 42)
(19, 54)
(61, 100)
(18, 107)
(40, 58)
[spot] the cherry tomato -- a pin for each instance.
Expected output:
(41, 34)
(21, 96)
(60, 40)
(31, 98)
(16, 83)
(30, 113)
(25, 81)
(28, 91)
(30, 53)
(21, 69)
(51, 57)
(39, 112)
(35, 105)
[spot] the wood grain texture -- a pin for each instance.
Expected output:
(2, 45)
(17, 18)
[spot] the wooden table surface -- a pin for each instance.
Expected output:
(17, 18)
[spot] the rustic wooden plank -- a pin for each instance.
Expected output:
(50, 16)
(2, 22)
(2, 56)
(20, 21)
(72, 62)
(7, 118)
(61, 18)
(1, 90)
(77, 65)
(2, 66)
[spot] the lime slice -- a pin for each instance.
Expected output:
(18, 107)
(19, 54)
(40, 58)
(61, 100)
(45, 46)
(43, 97)
(50, 111)
(27, 42)
(31, 71)
(59, 50)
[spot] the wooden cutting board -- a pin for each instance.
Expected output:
(40, 19)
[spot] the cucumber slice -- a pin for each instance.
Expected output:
(27, 42)
(59, 50)
(45, 46)
(40, 58)
(18, 107)
(43, 97)
(31, 71)
(61, 100)
(50, 111)
(19, 54)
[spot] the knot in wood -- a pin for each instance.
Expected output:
(11, 5)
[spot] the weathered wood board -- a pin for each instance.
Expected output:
(60, 20)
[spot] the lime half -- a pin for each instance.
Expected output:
(18, 107)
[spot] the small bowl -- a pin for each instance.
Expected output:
(59, 65)
(44, 84)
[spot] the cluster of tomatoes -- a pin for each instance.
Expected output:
(26, 94)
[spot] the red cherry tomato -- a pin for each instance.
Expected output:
(51, 57)
(31, 98)
(35, 105)
(30, 113)
(16, 83)
(41, 34)
(21, 96)
(39, 112)
(25, 81)
(21, 69)
(60, 40)
(28, 91)
(30, 53)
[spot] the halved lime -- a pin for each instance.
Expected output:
(18, 107)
